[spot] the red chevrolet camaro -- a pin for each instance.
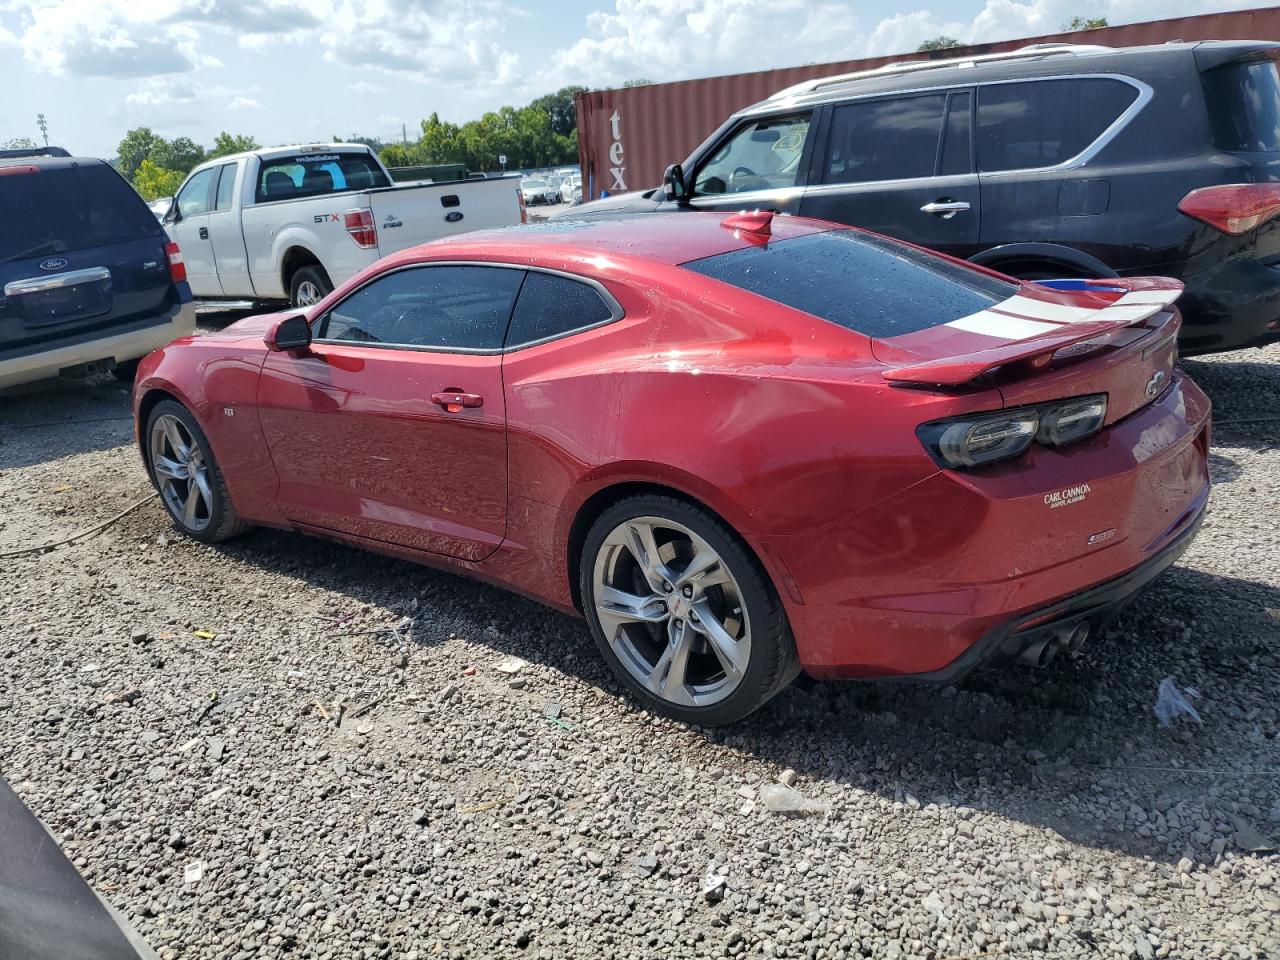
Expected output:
(743, 446)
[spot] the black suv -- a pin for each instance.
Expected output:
(90, 282)
(1047, 162)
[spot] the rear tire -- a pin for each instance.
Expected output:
(187, 477)
(683, 613)
(309, 285)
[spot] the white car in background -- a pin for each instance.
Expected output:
(571, 188)
(536, 190)
(160, 207)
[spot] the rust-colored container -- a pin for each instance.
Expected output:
(626, 137)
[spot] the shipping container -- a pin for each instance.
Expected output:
(628, 136)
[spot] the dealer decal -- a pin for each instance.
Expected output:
(1061, 498)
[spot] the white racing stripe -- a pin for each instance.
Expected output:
(1001, 325)
(1160, 298)
(1042, 310)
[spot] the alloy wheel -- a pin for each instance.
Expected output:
(181, 472)
(308, 293)
(671, 611)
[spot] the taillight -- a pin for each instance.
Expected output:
(177, 266)
(979, 439)
(359, 224)
(524, 218)
(23, 168)
(1234, 208)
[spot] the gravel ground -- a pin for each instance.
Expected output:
(237, 748)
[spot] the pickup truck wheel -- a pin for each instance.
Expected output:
(309, 285)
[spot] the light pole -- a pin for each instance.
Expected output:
(44, 127)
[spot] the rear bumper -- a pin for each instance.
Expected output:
(1235, 303)
(121, 345)
(959, 567)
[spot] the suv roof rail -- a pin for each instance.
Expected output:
(1030, 51)
(33, 152)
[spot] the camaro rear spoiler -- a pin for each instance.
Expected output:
(1053, 324)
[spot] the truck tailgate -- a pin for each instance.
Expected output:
(415, 213)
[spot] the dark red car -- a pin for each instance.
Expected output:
(742, 446)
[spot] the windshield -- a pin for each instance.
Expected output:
(59, 209)
(862, 282)
(534, 184)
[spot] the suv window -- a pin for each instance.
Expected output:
(551, 306)
(226, 184)
(446, 307)
(316, 174)
(1045, 122)
(870, 284)
(884, 139)
(194, 197)
(1244, 106)
(57, 209)
(763, 155)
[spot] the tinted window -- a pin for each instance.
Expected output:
(1040, 124)
(884, 139)
(450, 307)
(762, 155)
(315, 174)
(194, 197)
(956, 144)
(69, 208)
(550, 306)
(1244, 105)
(226, 184)
(870, 284)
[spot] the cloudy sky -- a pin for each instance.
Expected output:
(297, 70)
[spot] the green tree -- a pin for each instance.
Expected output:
(138, 144)
(559, 107)
(154, 181)
(179, 154)
(225, 143)
(1085, 23)
(941, 42)
(18, 143)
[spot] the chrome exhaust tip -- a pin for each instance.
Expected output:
(1040, 653)
(1076, 638)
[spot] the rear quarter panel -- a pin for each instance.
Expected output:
(314, 224)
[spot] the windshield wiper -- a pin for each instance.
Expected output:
(48, 246)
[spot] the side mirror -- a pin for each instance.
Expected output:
(289, 333)
(172, 215)
(674, 185)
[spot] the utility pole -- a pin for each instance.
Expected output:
(404, 134)
(44, 127)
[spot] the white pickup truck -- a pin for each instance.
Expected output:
(289, 223)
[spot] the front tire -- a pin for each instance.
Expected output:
(309, 285)
(187, 476)
(683, 613)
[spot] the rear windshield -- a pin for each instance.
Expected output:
(59, 209)
(869, 284)
(1244, 104)
(315, 174)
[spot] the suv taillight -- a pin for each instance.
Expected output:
(1234, 208)
(524, 212)
(359, 224)
(177, 266)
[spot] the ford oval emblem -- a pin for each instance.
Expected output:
(53, 263)
(453, 216)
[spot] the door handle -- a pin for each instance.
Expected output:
(204, 233)
(945, 208)
(454, 401)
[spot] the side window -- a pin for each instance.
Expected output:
(194, 197)
(446, 307)
(1045, 122)
(226, 185)
(550, 306)
(957, 155)
(884, 139)
(763, 155)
